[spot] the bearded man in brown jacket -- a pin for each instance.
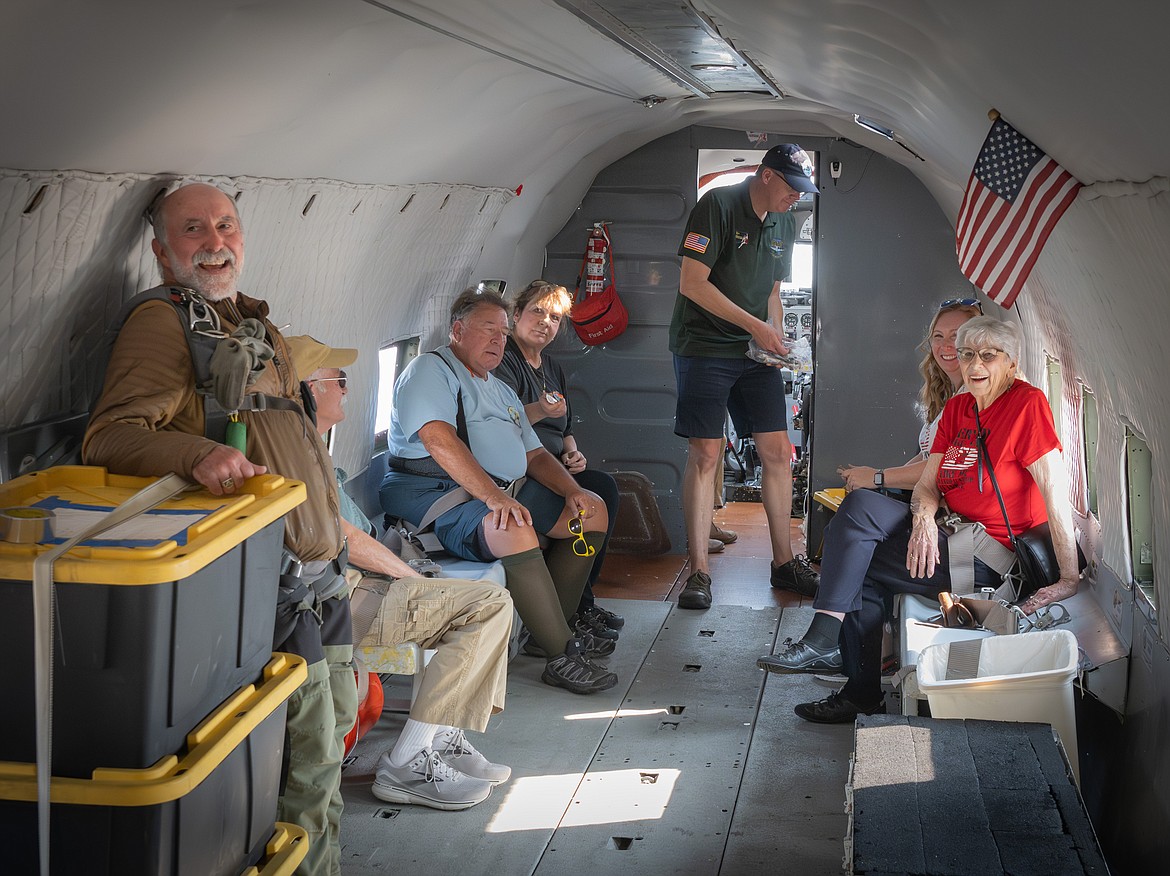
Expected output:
(150, 421)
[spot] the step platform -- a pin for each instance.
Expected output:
(964, 798)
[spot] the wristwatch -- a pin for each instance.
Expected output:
(879, 477)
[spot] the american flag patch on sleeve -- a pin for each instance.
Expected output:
(697, 242)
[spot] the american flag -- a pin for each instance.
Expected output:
(697, 242)
(1014, 199)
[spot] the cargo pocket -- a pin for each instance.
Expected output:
(421, 614)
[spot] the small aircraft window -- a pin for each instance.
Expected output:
(1055, 393)
(1089, 429)
(1139, 471)
(392, 358)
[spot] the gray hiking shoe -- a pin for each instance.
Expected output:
(697, 592)
(458, 753)
(594, 646)
(428, 781)
(575, 672)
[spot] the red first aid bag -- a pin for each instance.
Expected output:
(598, 315)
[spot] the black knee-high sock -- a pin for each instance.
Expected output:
(823, 632)
(569, 571)
(536, 600)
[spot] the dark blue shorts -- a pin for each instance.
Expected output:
(710, 388)
(460, 530)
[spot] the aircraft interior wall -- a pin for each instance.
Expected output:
(352, 265)
(1096, 302)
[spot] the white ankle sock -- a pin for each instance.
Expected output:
(414, 738)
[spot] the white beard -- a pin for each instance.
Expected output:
(211, 287)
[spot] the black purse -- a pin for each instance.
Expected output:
(1035, 555)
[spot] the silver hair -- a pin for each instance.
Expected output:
(473, 298)
(987, 331)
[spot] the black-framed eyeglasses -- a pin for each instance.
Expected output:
(341, 378)
(966, 354)
(962, 302)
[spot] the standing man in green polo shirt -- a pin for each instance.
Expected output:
(736, 250)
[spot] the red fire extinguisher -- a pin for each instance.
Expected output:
(596, 252)
(598, 314)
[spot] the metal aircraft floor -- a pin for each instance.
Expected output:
(693, 764)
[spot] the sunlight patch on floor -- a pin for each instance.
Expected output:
(620, 713)
(613, 797)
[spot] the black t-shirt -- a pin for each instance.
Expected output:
(530, 383)
(747, 258)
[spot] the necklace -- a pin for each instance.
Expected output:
(539, 371)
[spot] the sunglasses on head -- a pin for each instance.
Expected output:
(961, 302)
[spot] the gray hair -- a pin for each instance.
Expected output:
(987, 331)
(471, 298)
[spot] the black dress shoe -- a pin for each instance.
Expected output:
(796, 575)
(835, 709)
(802, 657)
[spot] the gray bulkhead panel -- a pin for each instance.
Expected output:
(885, 260)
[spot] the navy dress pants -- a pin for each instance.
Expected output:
(864, 567)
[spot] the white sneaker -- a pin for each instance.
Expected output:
(457, 752)
(428, 781)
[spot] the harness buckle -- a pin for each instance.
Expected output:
(290, 565)
(201, 317)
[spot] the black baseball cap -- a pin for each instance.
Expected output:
(793, 163)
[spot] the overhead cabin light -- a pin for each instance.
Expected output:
(713, 68)
(871, 125)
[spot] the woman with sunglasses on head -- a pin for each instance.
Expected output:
(881, 547)
(942, 377)
(882, 551)
(537, 314)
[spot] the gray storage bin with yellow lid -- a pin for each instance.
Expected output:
(208, 809)
(155, 624)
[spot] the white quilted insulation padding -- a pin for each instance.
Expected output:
(349, 268)
(1096, 301)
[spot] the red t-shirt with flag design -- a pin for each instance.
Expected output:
(1018, 430)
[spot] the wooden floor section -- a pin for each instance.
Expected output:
(739, 574)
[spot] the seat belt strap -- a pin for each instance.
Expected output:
(451, 499)
(968, 540)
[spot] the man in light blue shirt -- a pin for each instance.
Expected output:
(458, 435)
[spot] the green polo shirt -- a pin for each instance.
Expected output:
(746, 257)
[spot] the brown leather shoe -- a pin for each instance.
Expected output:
(697, 592)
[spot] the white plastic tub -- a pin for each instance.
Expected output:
(1027, 677)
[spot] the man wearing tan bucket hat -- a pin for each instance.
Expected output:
(466, 622)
